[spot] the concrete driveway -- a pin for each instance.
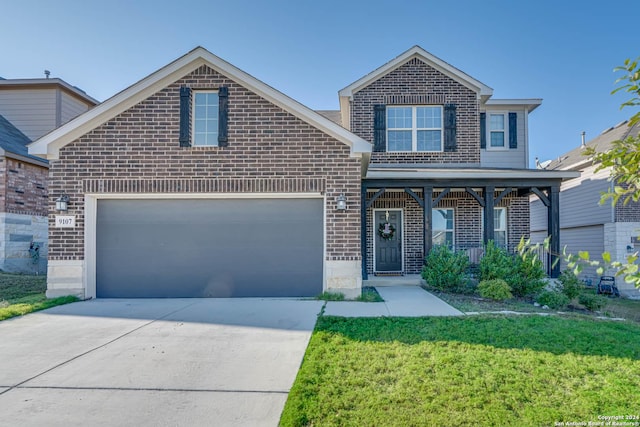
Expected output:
(177, 362)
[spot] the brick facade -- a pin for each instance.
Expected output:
(270, 150)
(627, 213)
(23, 211)
(467, 223)
(416, 83)
(23, 187)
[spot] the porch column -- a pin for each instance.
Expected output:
(427, 220)
(488, 214)
(363, 229)
(553, 224)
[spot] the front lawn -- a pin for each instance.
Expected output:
(21, 294)
(477, 370)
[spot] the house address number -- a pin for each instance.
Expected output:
(65, 221)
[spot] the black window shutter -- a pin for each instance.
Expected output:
(483, 130)
(450, 127)
(185, 106)
(379, 127)
(513, 130)
(223, 116)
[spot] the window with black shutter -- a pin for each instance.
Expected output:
(204, 117)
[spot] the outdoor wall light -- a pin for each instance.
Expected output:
(341, 203)
(62, 203)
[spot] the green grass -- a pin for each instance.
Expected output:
(486, 370)
(24, 308)
(21, 294)
(331, 296)
(369, 294)
(14, 287)
(621, 307)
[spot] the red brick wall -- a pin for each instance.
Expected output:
(23, 187)
(416, 83)
(269, 150)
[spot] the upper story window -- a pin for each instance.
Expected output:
(414, 128)
(205, 118)
(497, 130)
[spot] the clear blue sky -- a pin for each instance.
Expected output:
(561, 51)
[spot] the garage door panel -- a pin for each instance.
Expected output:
(209, 248)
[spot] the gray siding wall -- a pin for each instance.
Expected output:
(579, 200)
(508, 158)
(70, 108)
(31, 111)
(589, 239)
(538, 212)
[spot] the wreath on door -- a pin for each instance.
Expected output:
(386, 231)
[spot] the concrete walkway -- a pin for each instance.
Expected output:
(399, 301)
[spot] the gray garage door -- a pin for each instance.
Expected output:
(209, 248)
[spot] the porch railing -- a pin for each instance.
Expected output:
(475, 254)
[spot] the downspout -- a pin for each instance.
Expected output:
(526, 138)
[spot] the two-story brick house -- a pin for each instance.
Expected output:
(447, 159)
(200, 180)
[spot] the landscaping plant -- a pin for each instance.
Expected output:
(553, 299)
(592, 302)
(529, 277)
(525, 277)
(495, 289)
(495, 263)
(446, 270)
(571, 286)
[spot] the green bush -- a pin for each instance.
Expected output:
(495, 263)
(553, 299)
(529, 277)
(571, 285)
(592, 302)
(524, 277)
(446, 270)
(495, 289)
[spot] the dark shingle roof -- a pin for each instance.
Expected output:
(14, 141)
(600, 143)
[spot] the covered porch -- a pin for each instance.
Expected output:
(399, 204)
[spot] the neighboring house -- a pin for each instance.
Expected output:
(29, 108)
(200, 180)
(37, 106)
(587, 225)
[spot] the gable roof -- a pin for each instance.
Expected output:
(13, 141)
(50, 144)
(431, 60)
(601, 143)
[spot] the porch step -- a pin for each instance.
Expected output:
(407, 280)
